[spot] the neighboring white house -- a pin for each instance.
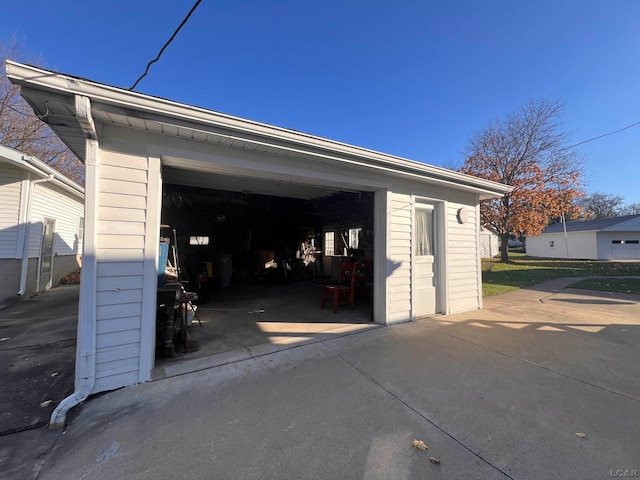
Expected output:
(602, 239)
(41, 225)
(145, 154)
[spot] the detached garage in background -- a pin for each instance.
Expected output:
(230, 186)
(41, 225)
(602, 239)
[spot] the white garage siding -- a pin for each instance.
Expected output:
(51, 202)
(10, 192)
(581, 245)
(488, 244)
(462, 259)
(399, 258)
(458, 257)
(120, 255)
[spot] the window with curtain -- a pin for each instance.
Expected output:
(424, 227)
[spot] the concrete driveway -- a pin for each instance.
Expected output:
(495, 394)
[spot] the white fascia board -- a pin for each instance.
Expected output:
(133, 102)
(41, 169)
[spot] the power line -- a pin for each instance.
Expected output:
(17, 111)
(600, 136)
(167, 44)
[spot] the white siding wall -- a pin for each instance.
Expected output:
(125, 249)
(540, 246)
(462, 259)
(489, 244)
(582, 245)
(10, 192)
(457, 261)
(399, 258)
(52, 202)
(120, 254)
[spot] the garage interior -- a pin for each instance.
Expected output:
(256, 253)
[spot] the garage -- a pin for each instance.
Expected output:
(257, 207)
(628, 249)
(615, 238)
(256, 262)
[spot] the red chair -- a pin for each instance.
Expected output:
(344, 292)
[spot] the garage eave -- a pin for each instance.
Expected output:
(125, 107)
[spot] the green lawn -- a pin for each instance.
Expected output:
(523, 271)
(620, 285)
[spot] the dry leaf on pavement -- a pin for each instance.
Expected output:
(419, 444)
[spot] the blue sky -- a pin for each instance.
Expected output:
(410, 78)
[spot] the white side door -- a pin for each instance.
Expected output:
(424, 260)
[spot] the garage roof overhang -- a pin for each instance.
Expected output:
(53, 98)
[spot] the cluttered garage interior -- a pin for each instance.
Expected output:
(258, 266)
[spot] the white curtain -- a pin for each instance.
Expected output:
(424, 231)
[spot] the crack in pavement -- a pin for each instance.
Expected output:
(414, 410)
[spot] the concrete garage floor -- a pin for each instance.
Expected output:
(242, 322)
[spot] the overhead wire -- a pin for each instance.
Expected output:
(600, 136)
(16, 110)
(164, 47)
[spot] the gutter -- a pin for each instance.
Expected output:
(117, 101)
(25, 240)
(61, 180)
(41, 169)
(86, 349)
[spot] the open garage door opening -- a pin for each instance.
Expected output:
(253, 267)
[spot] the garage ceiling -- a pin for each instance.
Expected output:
(236, 183)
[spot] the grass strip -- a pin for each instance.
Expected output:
(523, 271)
(613, 285)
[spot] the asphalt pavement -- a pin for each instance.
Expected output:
(37, 359)
(543, 383)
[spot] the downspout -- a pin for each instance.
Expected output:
(86, 349)
(27, 233)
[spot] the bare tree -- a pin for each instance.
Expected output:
(525, 150)
(601, 205)
(22, 130)
(631, 209)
